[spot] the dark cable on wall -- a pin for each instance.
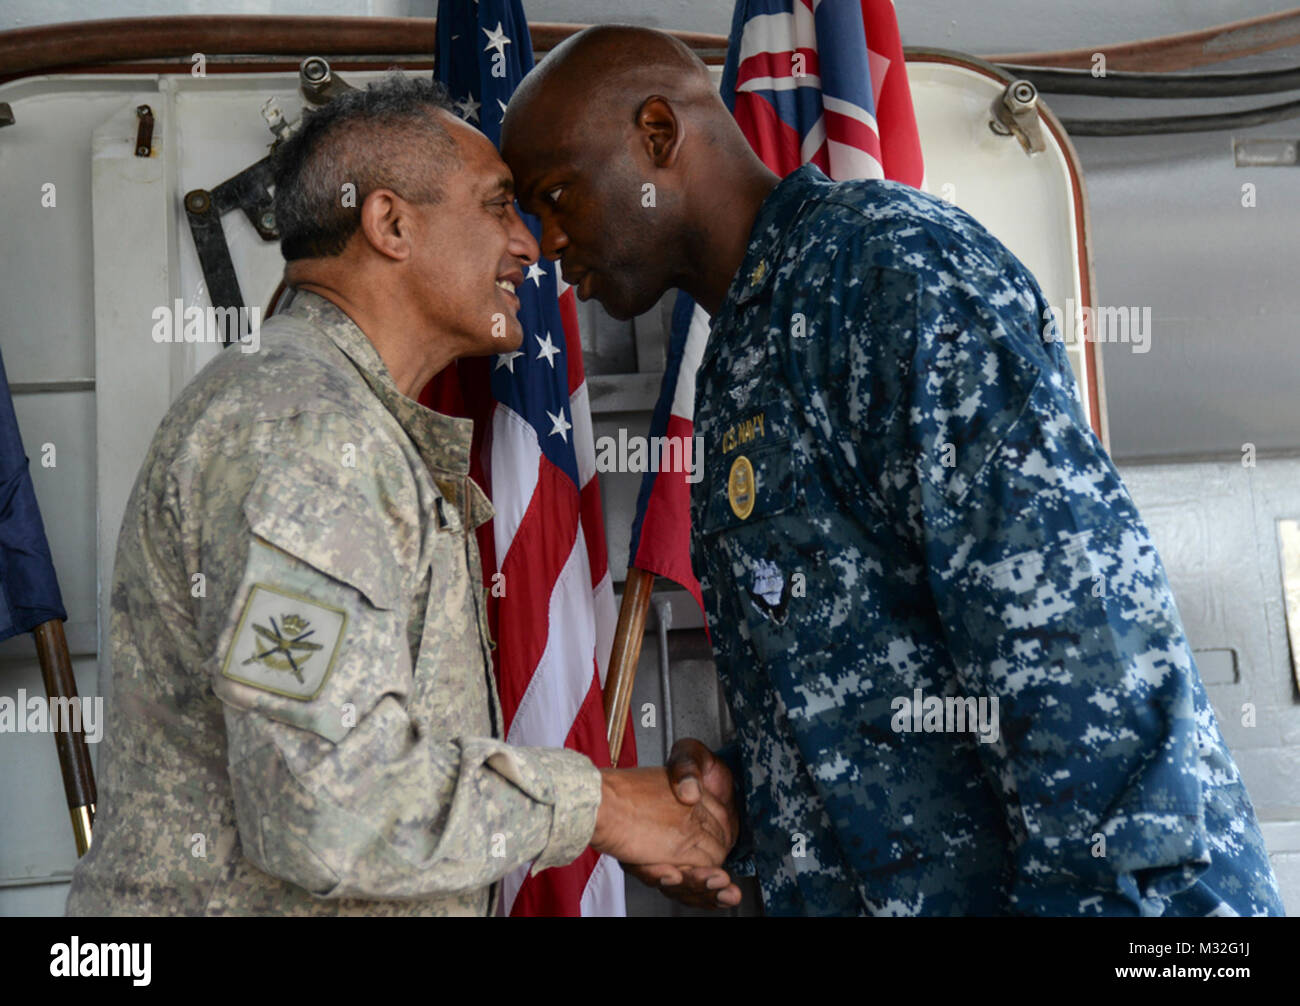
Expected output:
(1166, 85)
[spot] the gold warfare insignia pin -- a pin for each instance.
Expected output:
(740, 487)
(285, 643)
(759, 272)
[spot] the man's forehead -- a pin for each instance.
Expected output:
(539, 139)
(540, 157)
(481, 164)
(546, 158)
(490, 182)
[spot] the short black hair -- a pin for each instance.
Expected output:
(387, 136)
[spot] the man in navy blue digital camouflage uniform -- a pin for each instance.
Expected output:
(959, 681)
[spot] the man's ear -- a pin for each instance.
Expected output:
(660, 130)
(386, 223)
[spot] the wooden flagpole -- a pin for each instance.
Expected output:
(74, 756)
(627, 651)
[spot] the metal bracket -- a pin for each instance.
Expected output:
(250, 191)
(1015, 113)
(144, 133)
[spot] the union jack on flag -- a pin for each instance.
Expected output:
(535, 456)
(818, 81)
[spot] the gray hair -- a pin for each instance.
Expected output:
(384, 137)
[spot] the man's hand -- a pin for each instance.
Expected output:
(696, 886)
(691, 766)
(697, 776)
(640, 821)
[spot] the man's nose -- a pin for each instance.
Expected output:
(522, 242)
(554, 240)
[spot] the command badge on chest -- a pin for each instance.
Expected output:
(285, 643)
(740, 487)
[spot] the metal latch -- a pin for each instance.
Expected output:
(1015, 113)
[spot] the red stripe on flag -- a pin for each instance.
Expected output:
(665, 531)
(775, 142)
(822, 158)
(568, 302)
(589, 734)
(593, 530)
(588, 731)
(777, 64)
(851, 132)
(557, 892)
(532, 564)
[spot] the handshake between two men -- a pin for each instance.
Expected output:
(672, 827)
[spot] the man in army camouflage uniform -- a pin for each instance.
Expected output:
(959, 680)
(303, 718)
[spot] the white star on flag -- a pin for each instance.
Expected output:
(469, 108)
(561, 425)
(535, 273)
(549, 350)
(503, 109)
(496, 40)
(507, 360)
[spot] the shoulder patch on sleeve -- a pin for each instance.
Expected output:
(285, 643)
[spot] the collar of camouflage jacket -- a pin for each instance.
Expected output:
(766, 239)
(443, 441)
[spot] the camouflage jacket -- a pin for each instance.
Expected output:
(302, 717)
(959, 679)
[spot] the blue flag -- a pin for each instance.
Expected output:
(29, 590)
(484, 50)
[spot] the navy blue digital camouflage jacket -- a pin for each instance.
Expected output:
(958, 676)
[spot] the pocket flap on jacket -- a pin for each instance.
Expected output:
(302, 509)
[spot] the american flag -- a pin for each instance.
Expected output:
(818, 81)
(534, 453)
